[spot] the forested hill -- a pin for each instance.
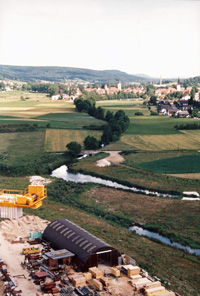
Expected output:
(29, 73)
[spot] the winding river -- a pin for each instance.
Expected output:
(165, 240)
(62, 172)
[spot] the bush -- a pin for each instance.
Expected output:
(139, 113)
(74, 149)
(153, 113)
(91, 143)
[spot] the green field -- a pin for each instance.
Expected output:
(70, 120)
(155, 125)
(18, 144)
(56, 140)
(175, 165)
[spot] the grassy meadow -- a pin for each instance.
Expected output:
(150, 144)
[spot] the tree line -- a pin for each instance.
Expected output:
(116, 124)
(188, 126)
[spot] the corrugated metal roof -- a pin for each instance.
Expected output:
(63, 234)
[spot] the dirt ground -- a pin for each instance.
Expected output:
(11, 253)
(113, 158)
(37, 180)
(187, 176)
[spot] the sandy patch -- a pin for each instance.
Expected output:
(37, 180)
(113, 158)
(103, 162)
(13, 228)
(15, 108)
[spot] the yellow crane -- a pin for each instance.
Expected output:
(31, 197)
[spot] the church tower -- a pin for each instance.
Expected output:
(178, 87)
(119, 86)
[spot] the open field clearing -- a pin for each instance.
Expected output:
(175, 216)
(14, 145)
(70, 120)
(31, 112)
(188, 140)
(129, 107)
(132, 158)
(156, 125)
(33, 107)
(16, 94)
(120, 103)
(56, 140)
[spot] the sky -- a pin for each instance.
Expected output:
(153, 37)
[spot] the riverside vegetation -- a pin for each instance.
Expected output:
(107, 212)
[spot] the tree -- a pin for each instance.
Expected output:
(91, 143)
(53, 90)
(99, 114)
(153, 100)
(109, 116)
(2, 86)
(107, 134)
(74, 149)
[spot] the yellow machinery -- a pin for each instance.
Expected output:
(33, 250)
(31, 197)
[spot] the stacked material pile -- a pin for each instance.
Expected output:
(77, 279)
(97, 284)
(96, 272)
(115, 271)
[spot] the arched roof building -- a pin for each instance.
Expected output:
(89, 250)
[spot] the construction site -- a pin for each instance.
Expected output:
(39, 257)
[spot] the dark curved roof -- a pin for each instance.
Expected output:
(63, 234)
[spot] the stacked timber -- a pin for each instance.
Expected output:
(115, 271)
(139, 283)
(153, 285)
(77, 279)
(97, 284)
(87, 275)
(105, 281)
(135, 277)
(96, 272)
(155, 291)
(133, 270)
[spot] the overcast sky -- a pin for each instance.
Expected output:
(155, 37)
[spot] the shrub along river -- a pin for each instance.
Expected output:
(165, 240)
(63, 173)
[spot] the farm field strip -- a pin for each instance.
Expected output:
(163, 142)
(156, 125)
(195, 176)
(141, 157)
(56, 140)
(21, 143)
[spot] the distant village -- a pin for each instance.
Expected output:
(171, 99)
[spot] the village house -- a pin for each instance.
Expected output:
(182, 113)
(183, 105)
